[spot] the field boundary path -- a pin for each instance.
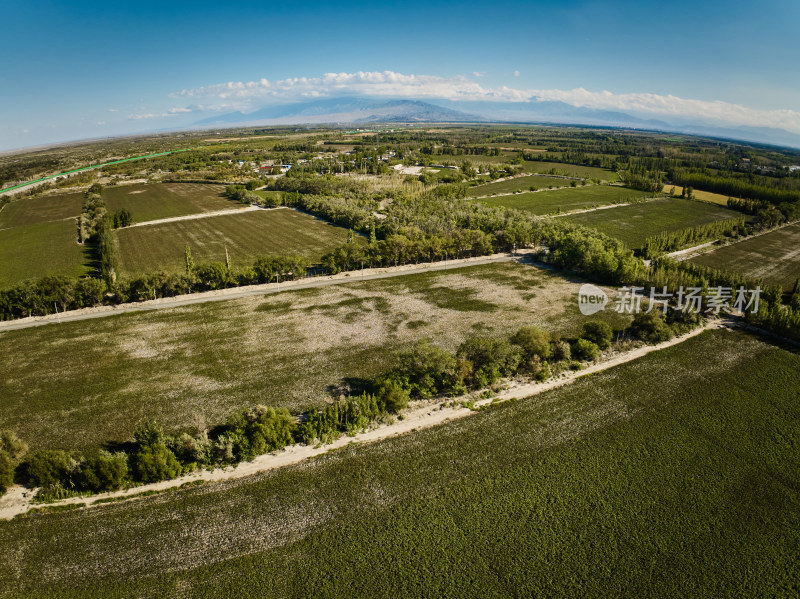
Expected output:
(368, 274)
(173, 219)
(19, 500)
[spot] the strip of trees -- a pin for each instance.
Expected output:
(675, 240)
(423, 372)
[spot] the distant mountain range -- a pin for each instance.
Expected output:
(363, 110)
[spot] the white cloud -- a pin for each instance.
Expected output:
(113, 109)
(516, 73)
(242, 95)
(168, 113)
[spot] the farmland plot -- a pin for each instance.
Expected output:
(634, 224)
(655, 478)
(246, 237)
(774, 257)
(289, 349)
(565, 200)
(165, 200)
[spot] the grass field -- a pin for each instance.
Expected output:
(41, 249)
(633, 224)
(165, 200)
(288, 349)
(535, 166)
(517, 184)
(41, 209)
(565, 200)
(38, 236)
(571, 170)
(706, 196)
(247, 236)
(654, 479)
(774, 257)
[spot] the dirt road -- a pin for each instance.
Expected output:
(367, 274)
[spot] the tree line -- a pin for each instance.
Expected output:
(422, 372)
(670, 241)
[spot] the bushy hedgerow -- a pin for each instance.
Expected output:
(598, 332)
(651, 327)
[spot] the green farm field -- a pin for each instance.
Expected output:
(41, 249)
(774, 257)
(517, 184)
(155, 201)
(41, 209)
(286, 349)
(246, 236)
(536, 166)
(565, 200)
(634, 224)
(570, 170)
(653, 479)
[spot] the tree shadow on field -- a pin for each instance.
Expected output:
(129, 447)
(350, 386)
(91, 257)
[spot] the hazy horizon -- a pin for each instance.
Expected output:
(96, 70)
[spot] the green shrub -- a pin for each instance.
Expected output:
(149, 432)
(651, 327)
(50, 467)
(392, 394)
(534, 342)
(259, 430)
(191, 450)
(429, 370)
(103, 471)
(8, 466)
(12, 450)
(562, 350)
(490, 359)
(583, 349)
(155, 462)
(599, 333)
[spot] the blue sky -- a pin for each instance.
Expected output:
(85, 69)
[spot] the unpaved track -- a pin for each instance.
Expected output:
(368, 274)
(422, 415)
(173, 219)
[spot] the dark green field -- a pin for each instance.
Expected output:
(41, 209)
(246, 236)
(658, 478)
(287, 349)
(41, 249)
(166, 200)
(565, 200)
(774, 257)
(633, 224)
(38, 236)
(517, 184)
(570, 170)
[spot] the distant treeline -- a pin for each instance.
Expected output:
(436, 225)
(788, 201)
